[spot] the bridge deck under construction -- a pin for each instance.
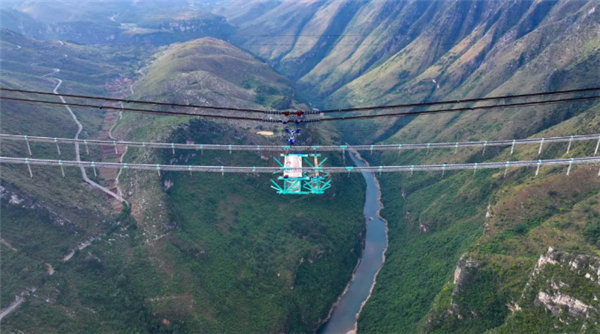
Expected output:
(258, 169)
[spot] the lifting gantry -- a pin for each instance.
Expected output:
(301, 181)
(296, 179)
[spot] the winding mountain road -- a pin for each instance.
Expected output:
(111, 136)
(79, 129)
(18, 301)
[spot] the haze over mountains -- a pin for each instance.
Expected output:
(468, 253)
(107, 22)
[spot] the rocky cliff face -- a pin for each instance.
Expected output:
(566, 286)
(562, 288)
(550, 271)
(168, 26)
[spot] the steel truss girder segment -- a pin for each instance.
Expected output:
(291, 186)
(277, 170)
(305, 181)
(317, 185)
(339, 148)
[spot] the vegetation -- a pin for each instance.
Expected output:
(100, 284)
(211, 253)
(212, 71)
(275, 263)
(592, 234)
(525, 213)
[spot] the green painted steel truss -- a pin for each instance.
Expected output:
(311, 182)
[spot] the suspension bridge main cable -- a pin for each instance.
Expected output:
(439, 111)
(271, 120)
(474, 100)
(159, 112)
(164, 104)
(299, 148)
(343, 110)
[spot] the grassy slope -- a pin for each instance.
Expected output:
(209, 71)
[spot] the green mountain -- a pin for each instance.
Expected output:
(210, 71)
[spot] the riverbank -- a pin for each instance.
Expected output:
(381, 207)
(344, 313)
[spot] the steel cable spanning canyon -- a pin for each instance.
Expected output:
(330, 148)
(358, 109)
(234, 169)
(314, 120)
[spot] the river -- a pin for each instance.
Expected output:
(343, 318)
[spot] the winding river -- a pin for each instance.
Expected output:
(345, 313)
